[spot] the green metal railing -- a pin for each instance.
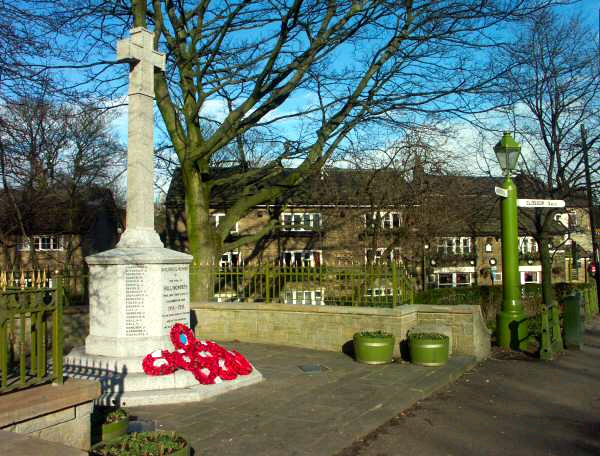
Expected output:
(376, 285)
(25, 317)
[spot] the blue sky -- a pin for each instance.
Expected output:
(588, 8)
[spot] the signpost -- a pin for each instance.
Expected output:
(501, 192)
(540, 203)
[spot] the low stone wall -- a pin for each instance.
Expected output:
(330, 327)
(58, 413)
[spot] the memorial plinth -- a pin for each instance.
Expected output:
(136, 296)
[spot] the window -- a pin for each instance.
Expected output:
(530, 277)
(527, 244)
(216, 220)
(378, 256)
(387, 220)
(454, 246)
(574, 220)
(230, 260)
(43, 243)
(454, 279)
(302, 258)
(302, 221)
(445, 280)
(305, 297)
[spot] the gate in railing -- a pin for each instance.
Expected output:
(29, 306)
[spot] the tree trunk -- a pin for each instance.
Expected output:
(203, 242)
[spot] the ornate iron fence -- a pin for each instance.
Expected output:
(31, 312)
(375, 285)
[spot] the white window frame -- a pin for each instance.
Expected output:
(305, 297)
(454, 245)
(216, 221)
(393, 255)
(527, 245)
(55, 243)
(455, 283)
(387, 219)
(305, 257)
(534, 269)
(226, 260)
(301, 221)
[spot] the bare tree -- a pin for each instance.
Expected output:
(284, 64)
(553, 89)
(52, 157)
(298, 75)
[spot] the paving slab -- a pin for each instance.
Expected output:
(296, 413)
(12, 443)
(511, 404)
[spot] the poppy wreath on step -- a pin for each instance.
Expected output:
(159, 362)
(208, 361)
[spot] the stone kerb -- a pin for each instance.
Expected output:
(330, 327)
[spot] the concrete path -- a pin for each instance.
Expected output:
(509, 405)
(297, 413)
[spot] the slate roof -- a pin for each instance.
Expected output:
(54, 211)
(468, 203)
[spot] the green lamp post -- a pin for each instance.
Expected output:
(511, 330)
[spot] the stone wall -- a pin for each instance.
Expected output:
(330, 327)
(58, 413)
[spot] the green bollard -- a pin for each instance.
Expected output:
(573, 321)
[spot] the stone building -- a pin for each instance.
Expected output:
(444, 231)
(56, 230)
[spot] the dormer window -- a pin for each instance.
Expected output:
(527, 244)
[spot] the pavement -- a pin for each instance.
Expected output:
(509, 404)
(296, 413)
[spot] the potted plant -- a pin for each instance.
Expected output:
(114, 424)
(373, 347)
(428, 348)
(154, 443)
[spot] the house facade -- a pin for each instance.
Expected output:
(57, 236)
(443, 231)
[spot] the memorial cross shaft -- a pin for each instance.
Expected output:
(138, 51)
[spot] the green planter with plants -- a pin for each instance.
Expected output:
(428, 349)
(374, 347)
(114, 425)
(155, 443)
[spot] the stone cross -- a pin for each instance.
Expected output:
(139, 52)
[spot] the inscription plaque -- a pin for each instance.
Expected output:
(175, 295)
(136, 293)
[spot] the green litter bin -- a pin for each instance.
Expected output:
(573, 322)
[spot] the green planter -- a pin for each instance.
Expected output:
(373, 347)
(112, 431)
(428, 349)
(155, 443)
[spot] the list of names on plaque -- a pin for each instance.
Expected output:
(175, 295)
(135, 298)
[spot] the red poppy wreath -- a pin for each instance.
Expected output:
(208, 361)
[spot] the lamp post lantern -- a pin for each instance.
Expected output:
(512, 331)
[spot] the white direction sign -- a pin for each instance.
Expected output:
(501, 192)
(540, 203)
